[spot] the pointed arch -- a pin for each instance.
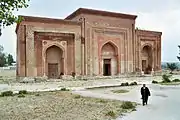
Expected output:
(147, 58)
(109, 59)
(146, 45)
(54, 61)
(110, 43)
(54, 44)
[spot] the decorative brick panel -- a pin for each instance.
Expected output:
(83, 41)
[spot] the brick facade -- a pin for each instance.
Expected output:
(87, 38)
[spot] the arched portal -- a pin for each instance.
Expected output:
(146, 57)
(54, 62)
(109, 59)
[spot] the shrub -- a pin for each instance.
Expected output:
(7, 93)
(176, 80)
(154, 82)
(172, 67)
(122, 84)
(102, 101)
(37, 94)
(166, 78)
(111, 113)
(21, 95)
(77, 97)
(133, 83)
(23, 92)
(127, 105)
(64, 89)
(125, 84)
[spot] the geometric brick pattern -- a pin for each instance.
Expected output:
(81, 36)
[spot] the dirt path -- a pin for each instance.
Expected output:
(164, 102)
(163, 105)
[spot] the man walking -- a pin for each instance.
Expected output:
(145, 93)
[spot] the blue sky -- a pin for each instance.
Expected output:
(159, 15)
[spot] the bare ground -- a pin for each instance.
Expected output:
(58, 105)
(7, 76)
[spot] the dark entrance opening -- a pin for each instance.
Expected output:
(147, 59)
(144, 65)
(53, 70)
(107, 67)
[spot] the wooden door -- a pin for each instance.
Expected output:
(53, 70)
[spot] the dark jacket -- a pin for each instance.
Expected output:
(145, 92)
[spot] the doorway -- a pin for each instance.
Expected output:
(54, 62)
(53, 70)
(147, 59)
(107, 67)
(109, 55)
(144, 65)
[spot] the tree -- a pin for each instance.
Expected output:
(179, 53)
(2, 60)
(1, 49)
(2, 57)
(172, 67)
(6, 12)
(10, 59)
(164, 66)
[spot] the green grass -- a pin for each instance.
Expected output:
(77, 96)
(170, 83)
(23, 92)
(64, 89)
(37, 94)
(21, 95)
(128, 105)
(120, 91)
(155, 82)
(176, 80)
(7, 93)
(111, 113)
(103, 101)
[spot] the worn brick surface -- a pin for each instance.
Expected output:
(92, 30)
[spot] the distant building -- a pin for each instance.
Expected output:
(87, 42)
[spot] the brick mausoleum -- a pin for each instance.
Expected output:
(87, 42)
